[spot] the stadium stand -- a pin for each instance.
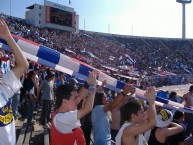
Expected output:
(161, 61)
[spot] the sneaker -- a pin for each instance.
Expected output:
(46, 126)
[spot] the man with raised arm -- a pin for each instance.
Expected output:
(134, 122)
(65, 128)
(9, 85)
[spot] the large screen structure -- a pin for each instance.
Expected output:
(60, 17)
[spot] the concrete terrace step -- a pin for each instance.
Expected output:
(29, 134)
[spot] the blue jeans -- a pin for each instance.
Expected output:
(46, 111)
(189, 123)
(15, 103)
(30, 109)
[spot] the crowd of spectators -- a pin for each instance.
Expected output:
(44, 86)
(161, 59)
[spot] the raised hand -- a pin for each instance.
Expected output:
(151, 95)
(132, 91)
(92, 77)
(104, 83)
(4, 30)
(128, 89)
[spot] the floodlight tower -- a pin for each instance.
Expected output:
(184, 2)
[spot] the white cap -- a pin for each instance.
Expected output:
(164, 118)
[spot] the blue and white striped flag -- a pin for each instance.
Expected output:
(129, 59)
(121, 62)
(58, 61)
(5, 65)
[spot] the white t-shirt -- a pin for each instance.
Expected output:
(66, 122)
(8, 87)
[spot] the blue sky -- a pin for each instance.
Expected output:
(154, 18)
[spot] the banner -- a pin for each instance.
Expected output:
(56, 60)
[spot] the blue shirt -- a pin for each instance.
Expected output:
(101, 126)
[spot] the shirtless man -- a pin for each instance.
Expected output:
(188, 100)
(116, 116)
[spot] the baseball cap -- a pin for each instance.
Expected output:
(164, 118)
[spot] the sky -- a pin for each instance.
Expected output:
(151, 18)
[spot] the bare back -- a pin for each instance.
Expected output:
(116, 119)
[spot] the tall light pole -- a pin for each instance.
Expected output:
(184, 2)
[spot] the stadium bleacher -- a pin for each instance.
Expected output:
(164, 61)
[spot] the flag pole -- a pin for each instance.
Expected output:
(84, 25)
(109, 28)
(132, 30)
(10, 7)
